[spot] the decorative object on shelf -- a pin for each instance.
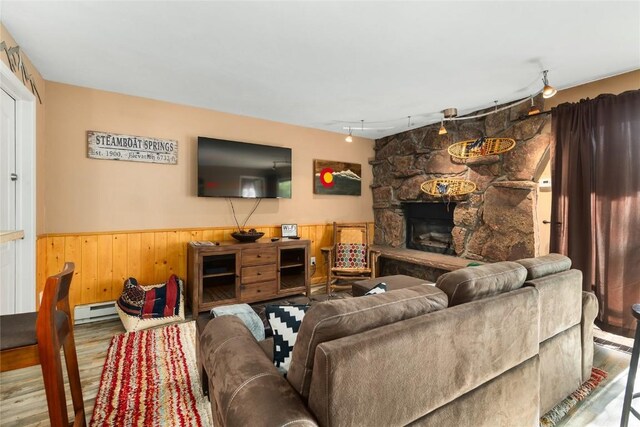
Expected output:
(289, 230)
(113, 146)
(482, 146)
(341, 178)
(448, 187)
(247, 236)
(16, 64)
(241, 234)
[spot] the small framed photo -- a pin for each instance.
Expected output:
(289, 230)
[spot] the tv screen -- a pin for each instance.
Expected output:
(240, 169)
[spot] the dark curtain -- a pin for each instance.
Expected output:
(595, 209)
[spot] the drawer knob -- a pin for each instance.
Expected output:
(259, 256)
(259, 274)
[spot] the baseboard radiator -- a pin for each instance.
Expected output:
(95, 312)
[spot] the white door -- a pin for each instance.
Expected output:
(7, 202)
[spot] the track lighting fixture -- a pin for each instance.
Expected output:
(533, 109)
(443, 130)
(451, 114)
(548, 91)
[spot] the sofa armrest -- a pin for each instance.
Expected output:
(589, 312)
(245, 388)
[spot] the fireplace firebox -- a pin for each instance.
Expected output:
(429, 226)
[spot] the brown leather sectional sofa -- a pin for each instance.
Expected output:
(499, 344)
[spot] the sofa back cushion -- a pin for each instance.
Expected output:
(474, 283)
(545, 265)
(395, 374)
(329, 320)
(560, 301)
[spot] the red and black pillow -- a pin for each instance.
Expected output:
(152, 302)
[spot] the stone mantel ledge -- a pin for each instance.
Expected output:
(428, 259)
(521, 185)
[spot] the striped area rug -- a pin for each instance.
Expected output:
(555, 415)
(150, 379)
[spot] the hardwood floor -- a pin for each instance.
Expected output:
(23, 403)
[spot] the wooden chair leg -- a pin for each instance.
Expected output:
(71, 358)
(53, 383)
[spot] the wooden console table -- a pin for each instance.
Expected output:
(233, 272)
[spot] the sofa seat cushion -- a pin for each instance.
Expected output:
(545, 265)
(474, 283)
(329, 320)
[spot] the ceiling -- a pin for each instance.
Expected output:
(328, 65)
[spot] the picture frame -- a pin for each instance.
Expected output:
(337, 178)
(289, 230)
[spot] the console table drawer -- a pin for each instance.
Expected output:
(257, 291)
(259, 273)
(259, 256)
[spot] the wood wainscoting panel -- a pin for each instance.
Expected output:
(104, 260)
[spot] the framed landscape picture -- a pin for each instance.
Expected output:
(340, 178)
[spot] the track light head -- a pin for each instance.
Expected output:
(442, 130)
(533, 110)
(548, 91)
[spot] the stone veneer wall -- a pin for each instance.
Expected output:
(498, 221)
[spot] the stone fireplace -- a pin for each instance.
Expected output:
(428, 227)
(496, 222)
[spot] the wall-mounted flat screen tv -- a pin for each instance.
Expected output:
(240, 169)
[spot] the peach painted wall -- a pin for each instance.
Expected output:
(88, 195)
(6, 37)
(614, 85)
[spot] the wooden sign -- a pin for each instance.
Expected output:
(113, 146)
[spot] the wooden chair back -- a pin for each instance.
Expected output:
(51, 336)
(350, 233)
(55, 297)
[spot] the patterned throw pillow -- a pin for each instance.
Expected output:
(153, 302)
(380, 288)
(132, 298)
(351, 255)
(285, 321)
